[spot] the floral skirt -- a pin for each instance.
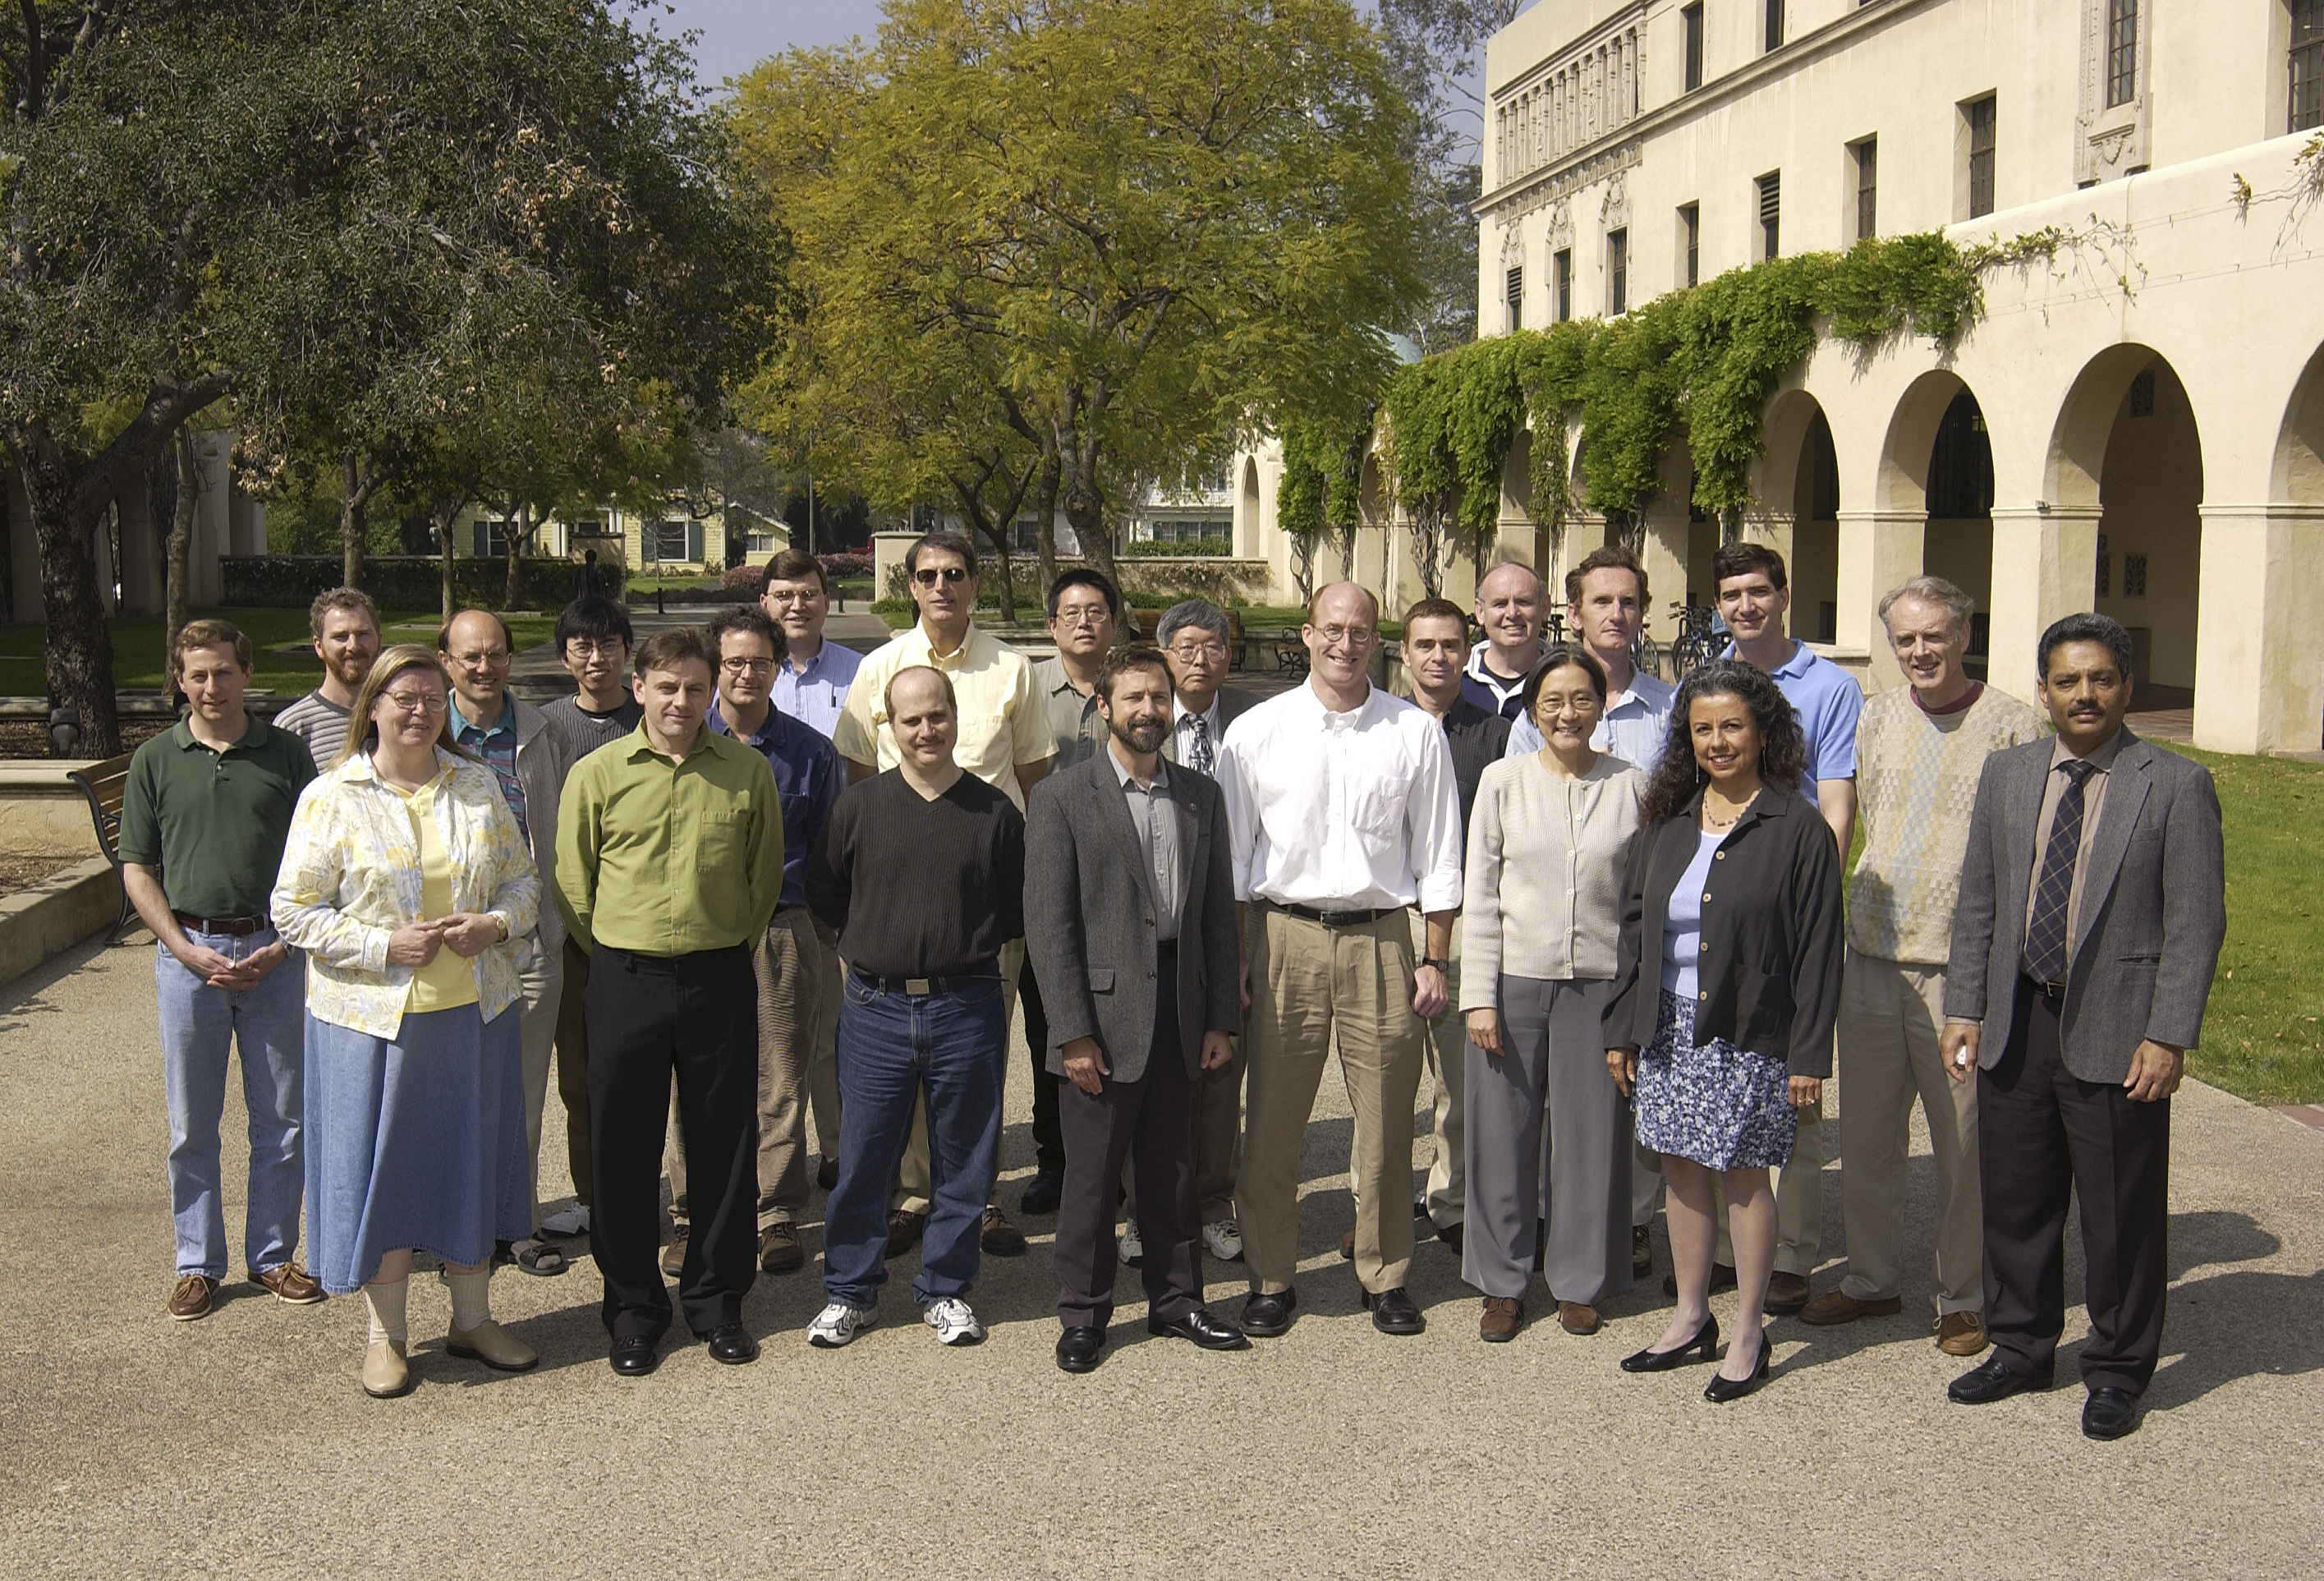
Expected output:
(1723, 1107)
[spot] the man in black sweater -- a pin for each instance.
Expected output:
(939, 856)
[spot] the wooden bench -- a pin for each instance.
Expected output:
(1149, 621)
(104, 784)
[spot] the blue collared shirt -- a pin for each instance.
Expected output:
(817, 695)
(806, 777)
(497, 748)
(1828, 700)
(1635, 724)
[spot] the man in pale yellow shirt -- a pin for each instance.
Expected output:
(1003, 740)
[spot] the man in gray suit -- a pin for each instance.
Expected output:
(2093, 903)
(1130, 924)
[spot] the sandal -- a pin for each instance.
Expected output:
(540, 1257)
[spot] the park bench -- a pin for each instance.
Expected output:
(104, 784)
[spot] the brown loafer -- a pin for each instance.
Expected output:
(291, 1285)
(195, 1295)
(1839, 1306)
(1642, 1250)
(1503, 1317)
(673, 1256)
(1576, 1318)
(1961, 1334)
(998, 1236)
(779, 1251)
(1787, 1293)
(904, 1227)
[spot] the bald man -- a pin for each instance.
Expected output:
(1509, 607)
(531, 760)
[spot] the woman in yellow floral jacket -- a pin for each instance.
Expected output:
(405, 880)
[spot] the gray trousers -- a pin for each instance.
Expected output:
(1549, 1086)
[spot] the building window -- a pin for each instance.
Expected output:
(1689, 242)
(1770, 214)
(491, 538)
(2122, 51)
(1692, 17)
(1513, 294)
(1617, 273)
(1980, 117)
(1562, 275)
(1960, 464)
(675, 542)
(2142, 394)
(1868, 187)
(1774, 24)
(2306, 65)
(2134, 576)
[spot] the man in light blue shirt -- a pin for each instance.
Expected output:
(1605, 606)
(811, 682)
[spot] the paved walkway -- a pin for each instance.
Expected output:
(240, 1445)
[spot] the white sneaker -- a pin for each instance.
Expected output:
(838, 1323)
(1226, 1241)
(567, 1221)
(954, 1324)
(1133, 1249)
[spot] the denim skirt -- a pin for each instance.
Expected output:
(1721, 1107)
(415, 1141)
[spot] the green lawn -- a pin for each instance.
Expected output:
(282, 654)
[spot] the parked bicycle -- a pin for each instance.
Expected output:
(1698, 642)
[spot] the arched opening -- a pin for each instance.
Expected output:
(2297, 476)
(1247, 540)
(1814, 500)
(1958, 543)
(1519, 537)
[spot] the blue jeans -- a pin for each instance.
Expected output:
(200, 1025)
(890, 1048)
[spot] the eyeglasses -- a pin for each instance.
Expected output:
(1084, 615)
(581, 648)
(747, 666)
(1351, 636)
(488, 660)
(417, 702)
(1191, 651)
(949, 574)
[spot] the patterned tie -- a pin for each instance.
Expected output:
(2054, 891)
(1198, 757)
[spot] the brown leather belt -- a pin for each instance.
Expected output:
(1357, 919)
(234, 927)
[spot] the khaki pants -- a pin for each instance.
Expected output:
(788, 963)
(1307, 982)
(540, 974)
(912, 1173)
(1890, 1015)
(573, 1067)
(822, 1065)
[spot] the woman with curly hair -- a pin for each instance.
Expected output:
(1720, 1026)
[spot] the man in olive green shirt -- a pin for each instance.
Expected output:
(669, 860)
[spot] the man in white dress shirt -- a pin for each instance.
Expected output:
(1343, 812)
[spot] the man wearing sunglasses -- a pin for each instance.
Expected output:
(1002, 738)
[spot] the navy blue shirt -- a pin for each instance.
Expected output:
(806, 777)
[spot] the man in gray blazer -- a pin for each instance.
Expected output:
(1130, 926)
(2093, 903)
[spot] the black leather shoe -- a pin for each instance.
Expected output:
(634, 1355)
(1078, 1349)
(732, 1344)
(1994, 1380)
(1203, 1328)
(1451, 1235)
(2110, 1413)
(1264, 1316)
(1722, 1389)
(1042, 1195)
(1393, 1312)
(1704, 1346)
(1722, 1277)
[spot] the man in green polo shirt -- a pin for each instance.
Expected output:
(669, 861)
(203, 819)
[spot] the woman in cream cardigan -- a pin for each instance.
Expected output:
(1540, 923)
(403, 882)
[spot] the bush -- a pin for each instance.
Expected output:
(850, 565)
(747, 582)
(402, 581)
(1164, 549)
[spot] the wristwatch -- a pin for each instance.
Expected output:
(1444, 966)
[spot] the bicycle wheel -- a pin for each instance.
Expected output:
(1646, 657)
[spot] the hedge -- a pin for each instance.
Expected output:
(403, 581)
(1173, 549)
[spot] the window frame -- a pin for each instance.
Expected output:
(1864, 163)
(2122, 52)
(1560, 266)
(1617, 272)
(1981, 115)
(1768, 192)
(2306, 51)
(1689, 242)
(1690, 53)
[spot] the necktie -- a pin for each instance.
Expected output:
(1198, 756)
(2053, 887)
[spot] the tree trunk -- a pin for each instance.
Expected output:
(519, 532)
(1044, 519)
(1086, 509)
(177, 550)
(77, 659)
(444, 523)
(355, 487)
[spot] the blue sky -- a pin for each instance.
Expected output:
(736, 34)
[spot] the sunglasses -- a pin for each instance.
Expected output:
(950, 574)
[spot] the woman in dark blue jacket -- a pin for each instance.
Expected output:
(1728, 984)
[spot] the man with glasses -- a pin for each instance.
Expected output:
(1084, 612)
(1344, 812)
(346, 627)
(1003, 737)
(788, 958)
(811, 686)
(531, 760)
(593, 639)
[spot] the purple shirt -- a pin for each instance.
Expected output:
(807, 779)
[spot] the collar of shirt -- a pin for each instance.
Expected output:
(1802, 656)
(716, 722)
(706, 739)
(1158, 785)
(1476, 669)
(1646, 694)
(961, 658)
(1335, 719)
(464, 729)
(1180, 715)
(254, 732)
(2101, 761)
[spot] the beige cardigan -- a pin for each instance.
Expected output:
(1544, 891)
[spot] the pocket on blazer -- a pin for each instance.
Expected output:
(1100, 979)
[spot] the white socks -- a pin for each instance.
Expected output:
(472, 1304)
(385, 1303)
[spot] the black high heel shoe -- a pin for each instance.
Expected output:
(1705, 1341)
(1722, 1389)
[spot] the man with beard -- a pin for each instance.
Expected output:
(1129, 915)
(346, 627)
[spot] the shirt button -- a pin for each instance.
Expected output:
(1703, 996)
(1719, 856)
(1706, 897)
